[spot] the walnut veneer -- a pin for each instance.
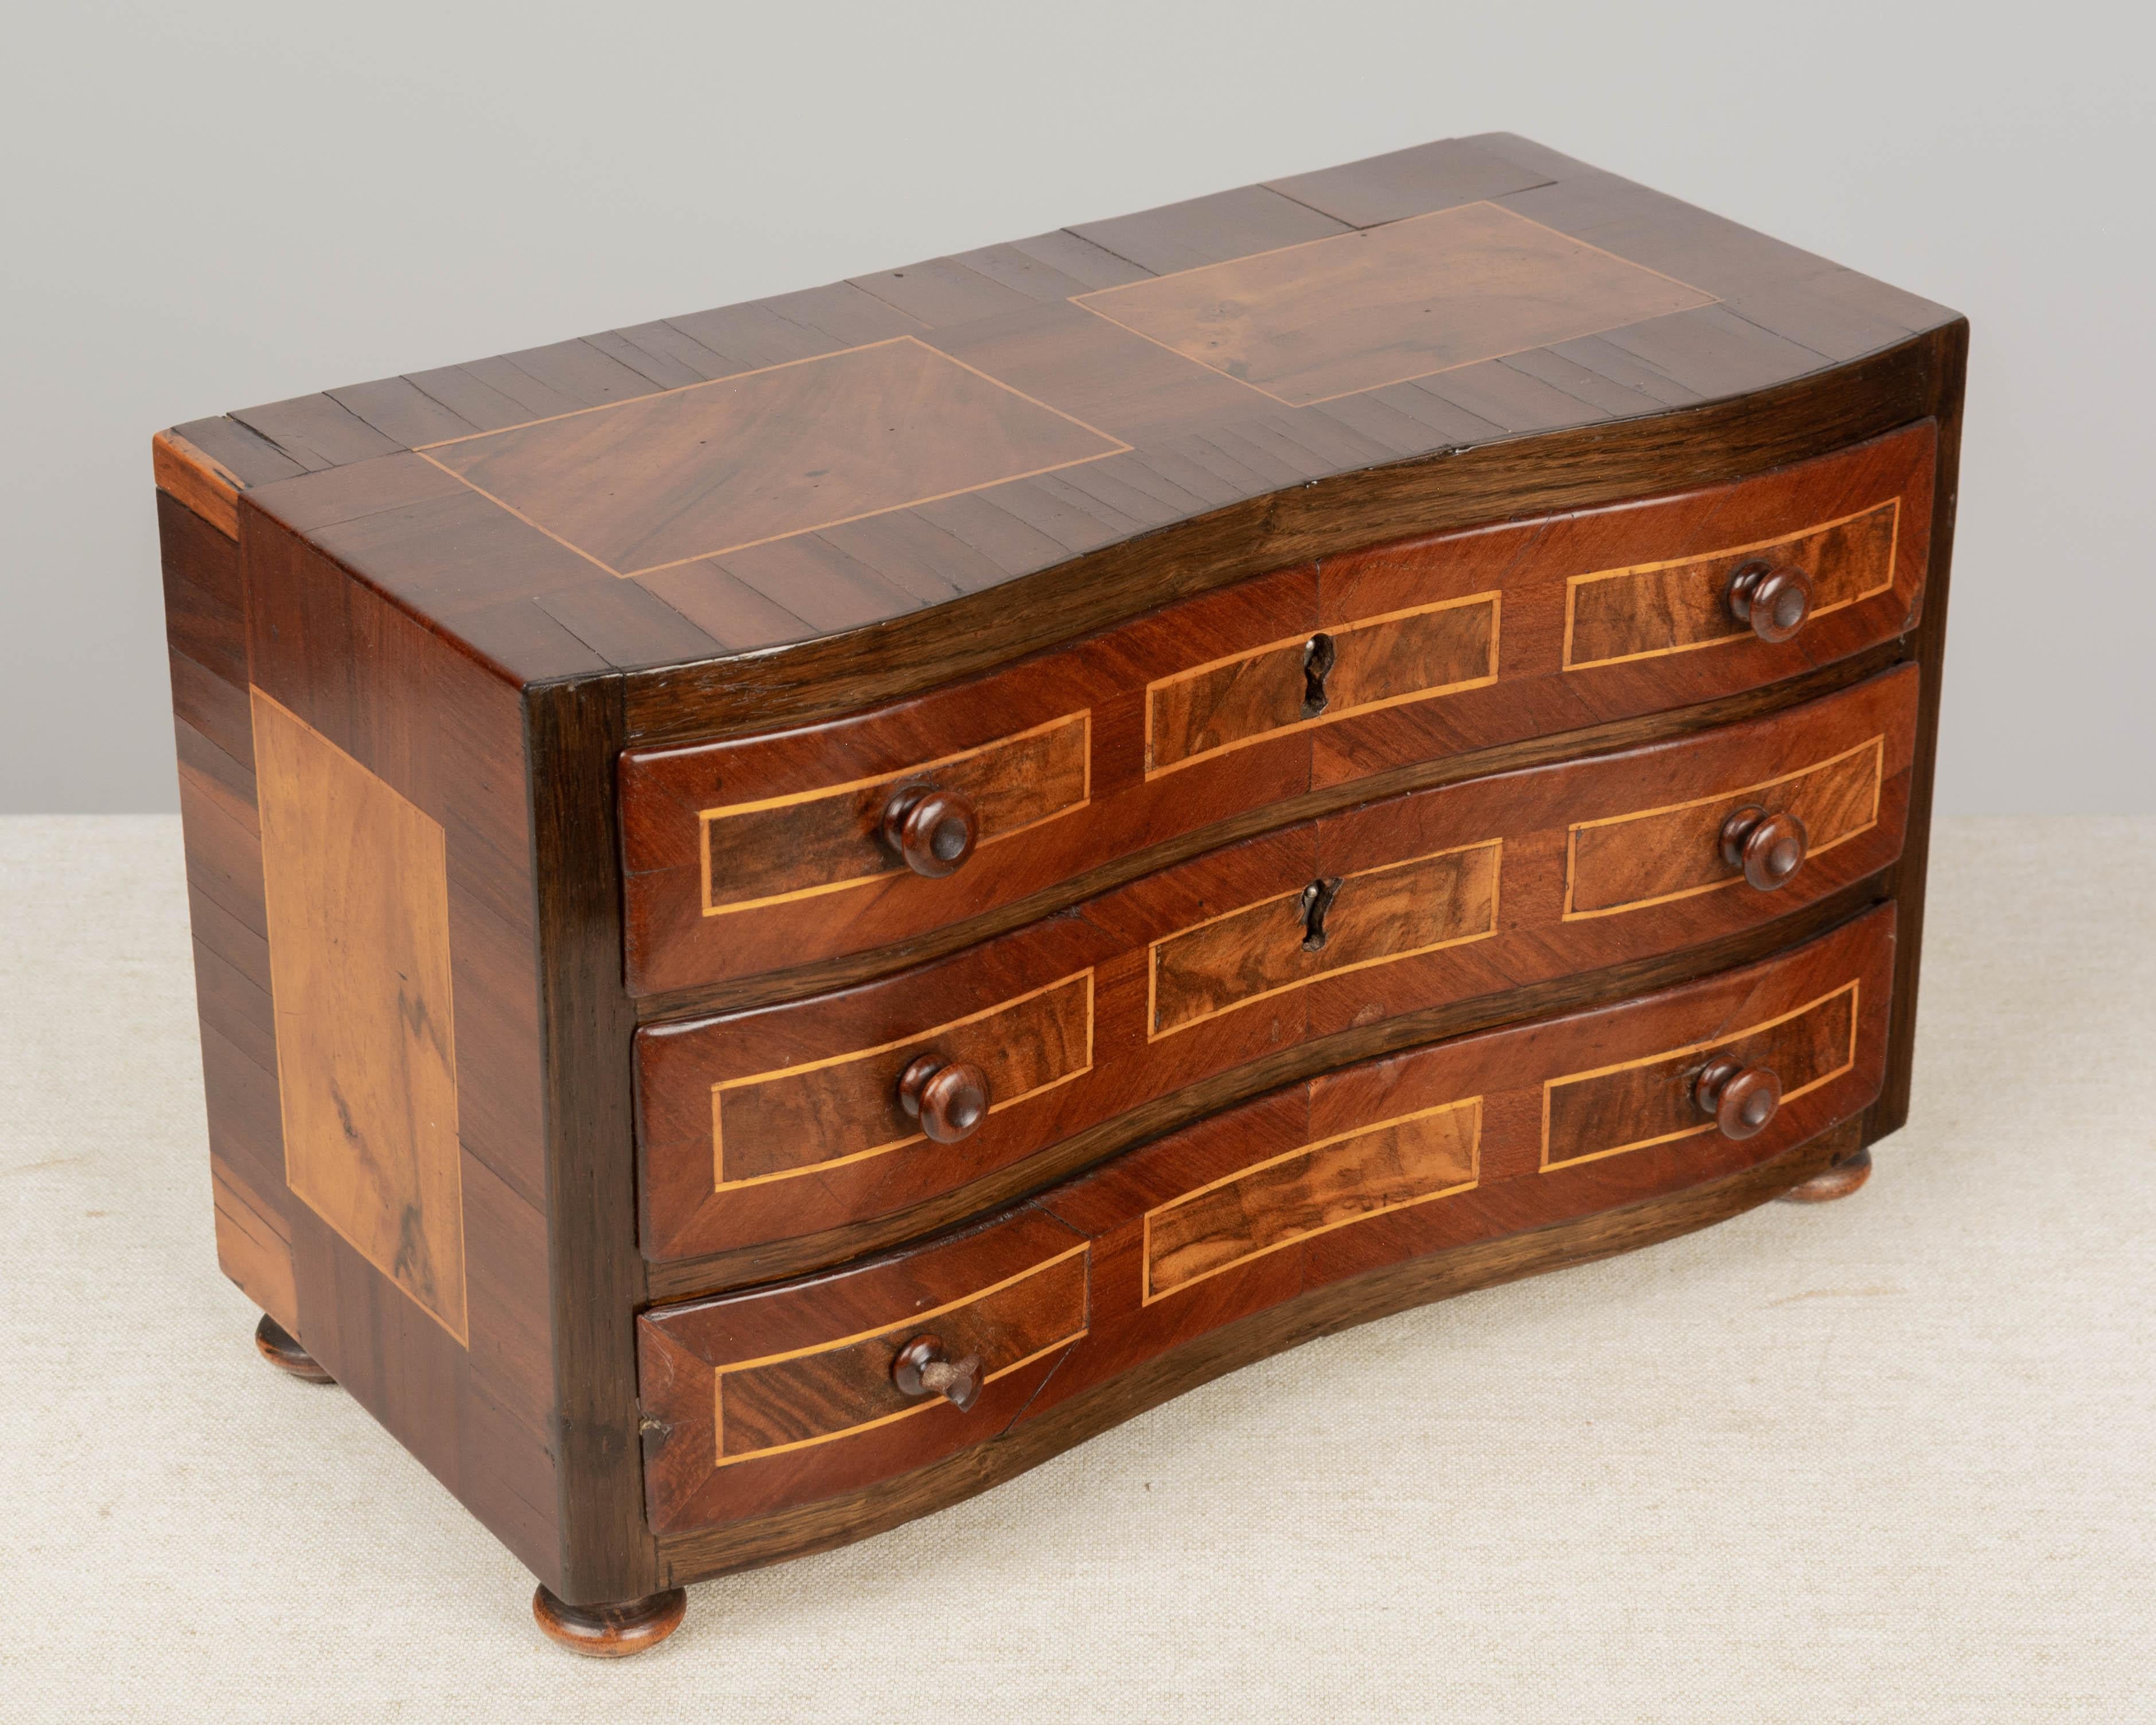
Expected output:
(799, 907)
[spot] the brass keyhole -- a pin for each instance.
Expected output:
(1317, 901)
(1316, 666)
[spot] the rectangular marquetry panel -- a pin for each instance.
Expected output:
(1613, 615)
(824, 840)
(1376, 662)
(1358, 311)
(812, 1395)
(1419, 905)
(670, 478)
(357, 887)
(1624, 861)
(773, 1126)
(1627, 1106)
(1288, 1198)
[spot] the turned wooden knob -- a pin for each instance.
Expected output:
(934, 830)
(923, 1369)
(1770, 848)
(948, 1097)
(1742, 1099)
(1775, 598)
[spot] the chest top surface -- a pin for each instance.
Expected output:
(830, 461)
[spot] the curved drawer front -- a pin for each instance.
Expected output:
(763, 853)
(778, 1124)
(1367, 1167)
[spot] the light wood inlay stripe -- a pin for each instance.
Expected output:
(1311, 1190)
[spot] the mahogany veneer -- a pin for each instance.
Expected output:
(799, 907)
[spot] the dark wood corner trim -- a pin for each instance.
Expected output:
(572, 732)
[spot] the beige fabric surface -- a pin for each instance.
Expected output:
(1888, 1460)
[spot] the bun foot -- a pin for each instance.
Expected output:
(610, 1631)
(286, 1354)
(1837, 1180)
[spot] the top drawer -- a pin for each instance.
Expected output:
(760, 853)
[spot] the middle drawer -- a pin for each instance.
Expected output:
(790, 1121)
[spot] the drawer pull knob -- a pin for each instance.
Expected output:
(948, 1097)
(1770, 848)
(1775, 598)
(1742, 1099)
(921, 1368)
(934, 831)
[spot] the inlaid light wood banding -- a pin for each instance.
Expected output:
(1587, 1116)
(662, 480)
(1382, 661)
(838, 1389)
(1355, 311)
(1329, 1184)
(801, 1119)
(1625, 862)
(1444, 899)
(1612, 616)
(826, 839)
(355, 884)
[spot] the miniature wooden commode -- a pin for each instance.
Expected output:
(798, 908)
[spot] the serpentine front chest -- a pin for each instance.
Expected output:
(799, 906)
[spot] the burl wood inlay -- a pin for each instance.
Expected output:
(1376, 662)
(1426, 903)
(1358, 311)
(1387, 1166)
(776, 1124)
(646, 485)
(1614, 615)
(1587, 1116)
(1626, 861)
(837, 1388)
(356, 890)
(829, 839)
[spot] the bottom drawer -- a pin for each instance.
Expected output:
(782, 1397)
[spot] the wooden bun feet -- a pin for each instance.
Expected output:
(1838, 1179)
(279, 1348)
(610, 1631)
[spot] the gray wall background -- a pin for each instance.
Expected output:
(212, 206)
